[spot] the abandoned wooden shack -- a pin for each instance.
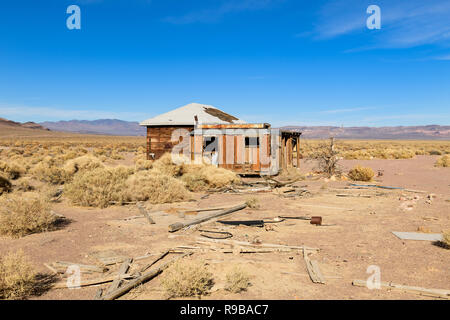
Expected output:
(203, 132)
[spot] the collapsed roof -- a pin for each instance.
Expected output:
(184, 116)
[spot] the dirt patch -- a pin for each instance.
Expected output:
(356, 234)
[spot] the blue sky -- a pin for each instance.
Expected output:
(287, 62)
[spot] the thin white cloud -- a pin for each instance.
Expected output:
(443, 58)
(46, 113)
(404, 23)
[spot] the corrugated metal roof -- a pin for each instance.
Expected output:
(185, 116)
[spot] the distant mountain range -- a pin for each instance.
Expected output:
(429, 132)
(5, 123)
(128, 128)
(102, 126)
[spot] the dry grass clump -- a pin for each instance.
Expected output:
(165, 165)
(359, 173)
(446, 238)
(21, 215)
(50, 170)
(187, 278)
(24, 184)
(17, 277)
(204, 176)
(5, 185)
(237, 280)
(98, 187)
(11, 169)
(155, 188)
(252, 203)
(142, 164)
(443, 161)
(83, 163)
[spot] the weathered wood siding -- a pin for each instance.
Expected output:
(159, 139)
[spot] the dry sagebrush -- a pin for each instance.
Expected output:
(187, 278)
(237, 280)
(83, 163)
(443, 161)
(205, 176)
(5, 185)
(98, 187)
(155, 188)
(359, 173)
(17, 277)
(446, 238)
(21, 215)
(11, 169)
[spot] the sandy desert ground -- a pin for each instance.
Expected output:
(356, 233)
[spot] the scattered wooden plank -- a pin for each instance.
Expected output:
(440, 293)
(418, 236)
(122, 270)
(277, 184)
(91, 282)
(83, 267)
(203, 209)
(145, 214)
(313, 269)
(180, 225)
(354, 195)
(141, 279)
(295, 217)
(162, 255)
(235, 250)
(119, 259)
(307, 275)
(248, 244)
(385, 187)
(53, 270)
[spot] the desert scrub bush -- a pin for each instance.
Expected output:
(252, 203)
(5, 185)
(22, 214)
(98, 187)
(359, 173)
(237, 280)
(116, 155)
(154, 187)
(165, 165)
(187, 278)
(446, 238)
(142, 164)
(24, 184)
(205, 176)
(11, 170)
(17, 276)
(50, 170)
(83, 163)
(443, 161)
